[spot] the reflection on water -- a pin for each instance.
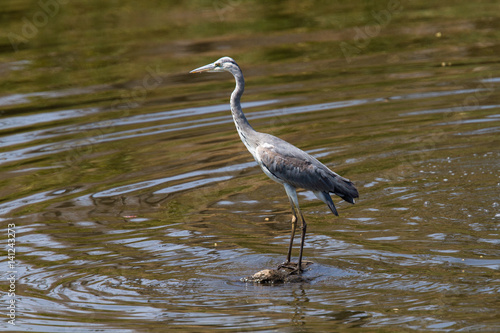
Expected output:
(136, 207)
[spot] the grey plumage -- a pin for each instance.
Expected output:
(299, 169)
(282, 161)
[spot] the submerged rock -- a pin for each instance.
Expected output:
(280, 275)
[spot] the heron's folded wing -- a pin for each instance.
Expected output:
(292, 169)
(299, 169)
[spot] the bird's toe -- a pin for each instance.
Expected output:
(291, 267)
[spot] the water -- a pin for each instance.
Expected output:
(137, 208)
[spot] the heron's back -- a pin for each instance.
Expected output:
(289, 164)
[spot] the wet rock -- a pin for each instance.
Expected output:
(280, 275)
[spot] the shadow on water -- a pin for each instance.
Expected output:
(136, 207)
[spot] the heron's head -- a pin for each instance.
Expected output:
(224, 64)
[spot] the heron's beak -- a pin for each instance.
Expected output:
(205, 68)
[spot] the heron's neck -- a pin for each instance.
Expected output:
(245, 130)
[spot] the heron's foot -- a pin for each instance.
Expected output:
(291, 267)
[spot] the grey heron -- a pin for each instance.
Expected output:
(283, 162)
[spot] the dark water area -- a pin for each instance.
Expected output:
(129, 204)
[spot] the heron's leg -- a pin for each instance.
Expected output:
(296, 267)
(294, 202)
(303, 227)
(294, 226)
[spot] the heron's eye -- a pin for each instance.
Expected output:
(217, 64)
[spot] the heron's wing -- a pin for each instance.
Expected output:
(299, 169)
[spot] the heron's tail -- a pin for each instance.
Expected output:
(340, 186)
(344, 188)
